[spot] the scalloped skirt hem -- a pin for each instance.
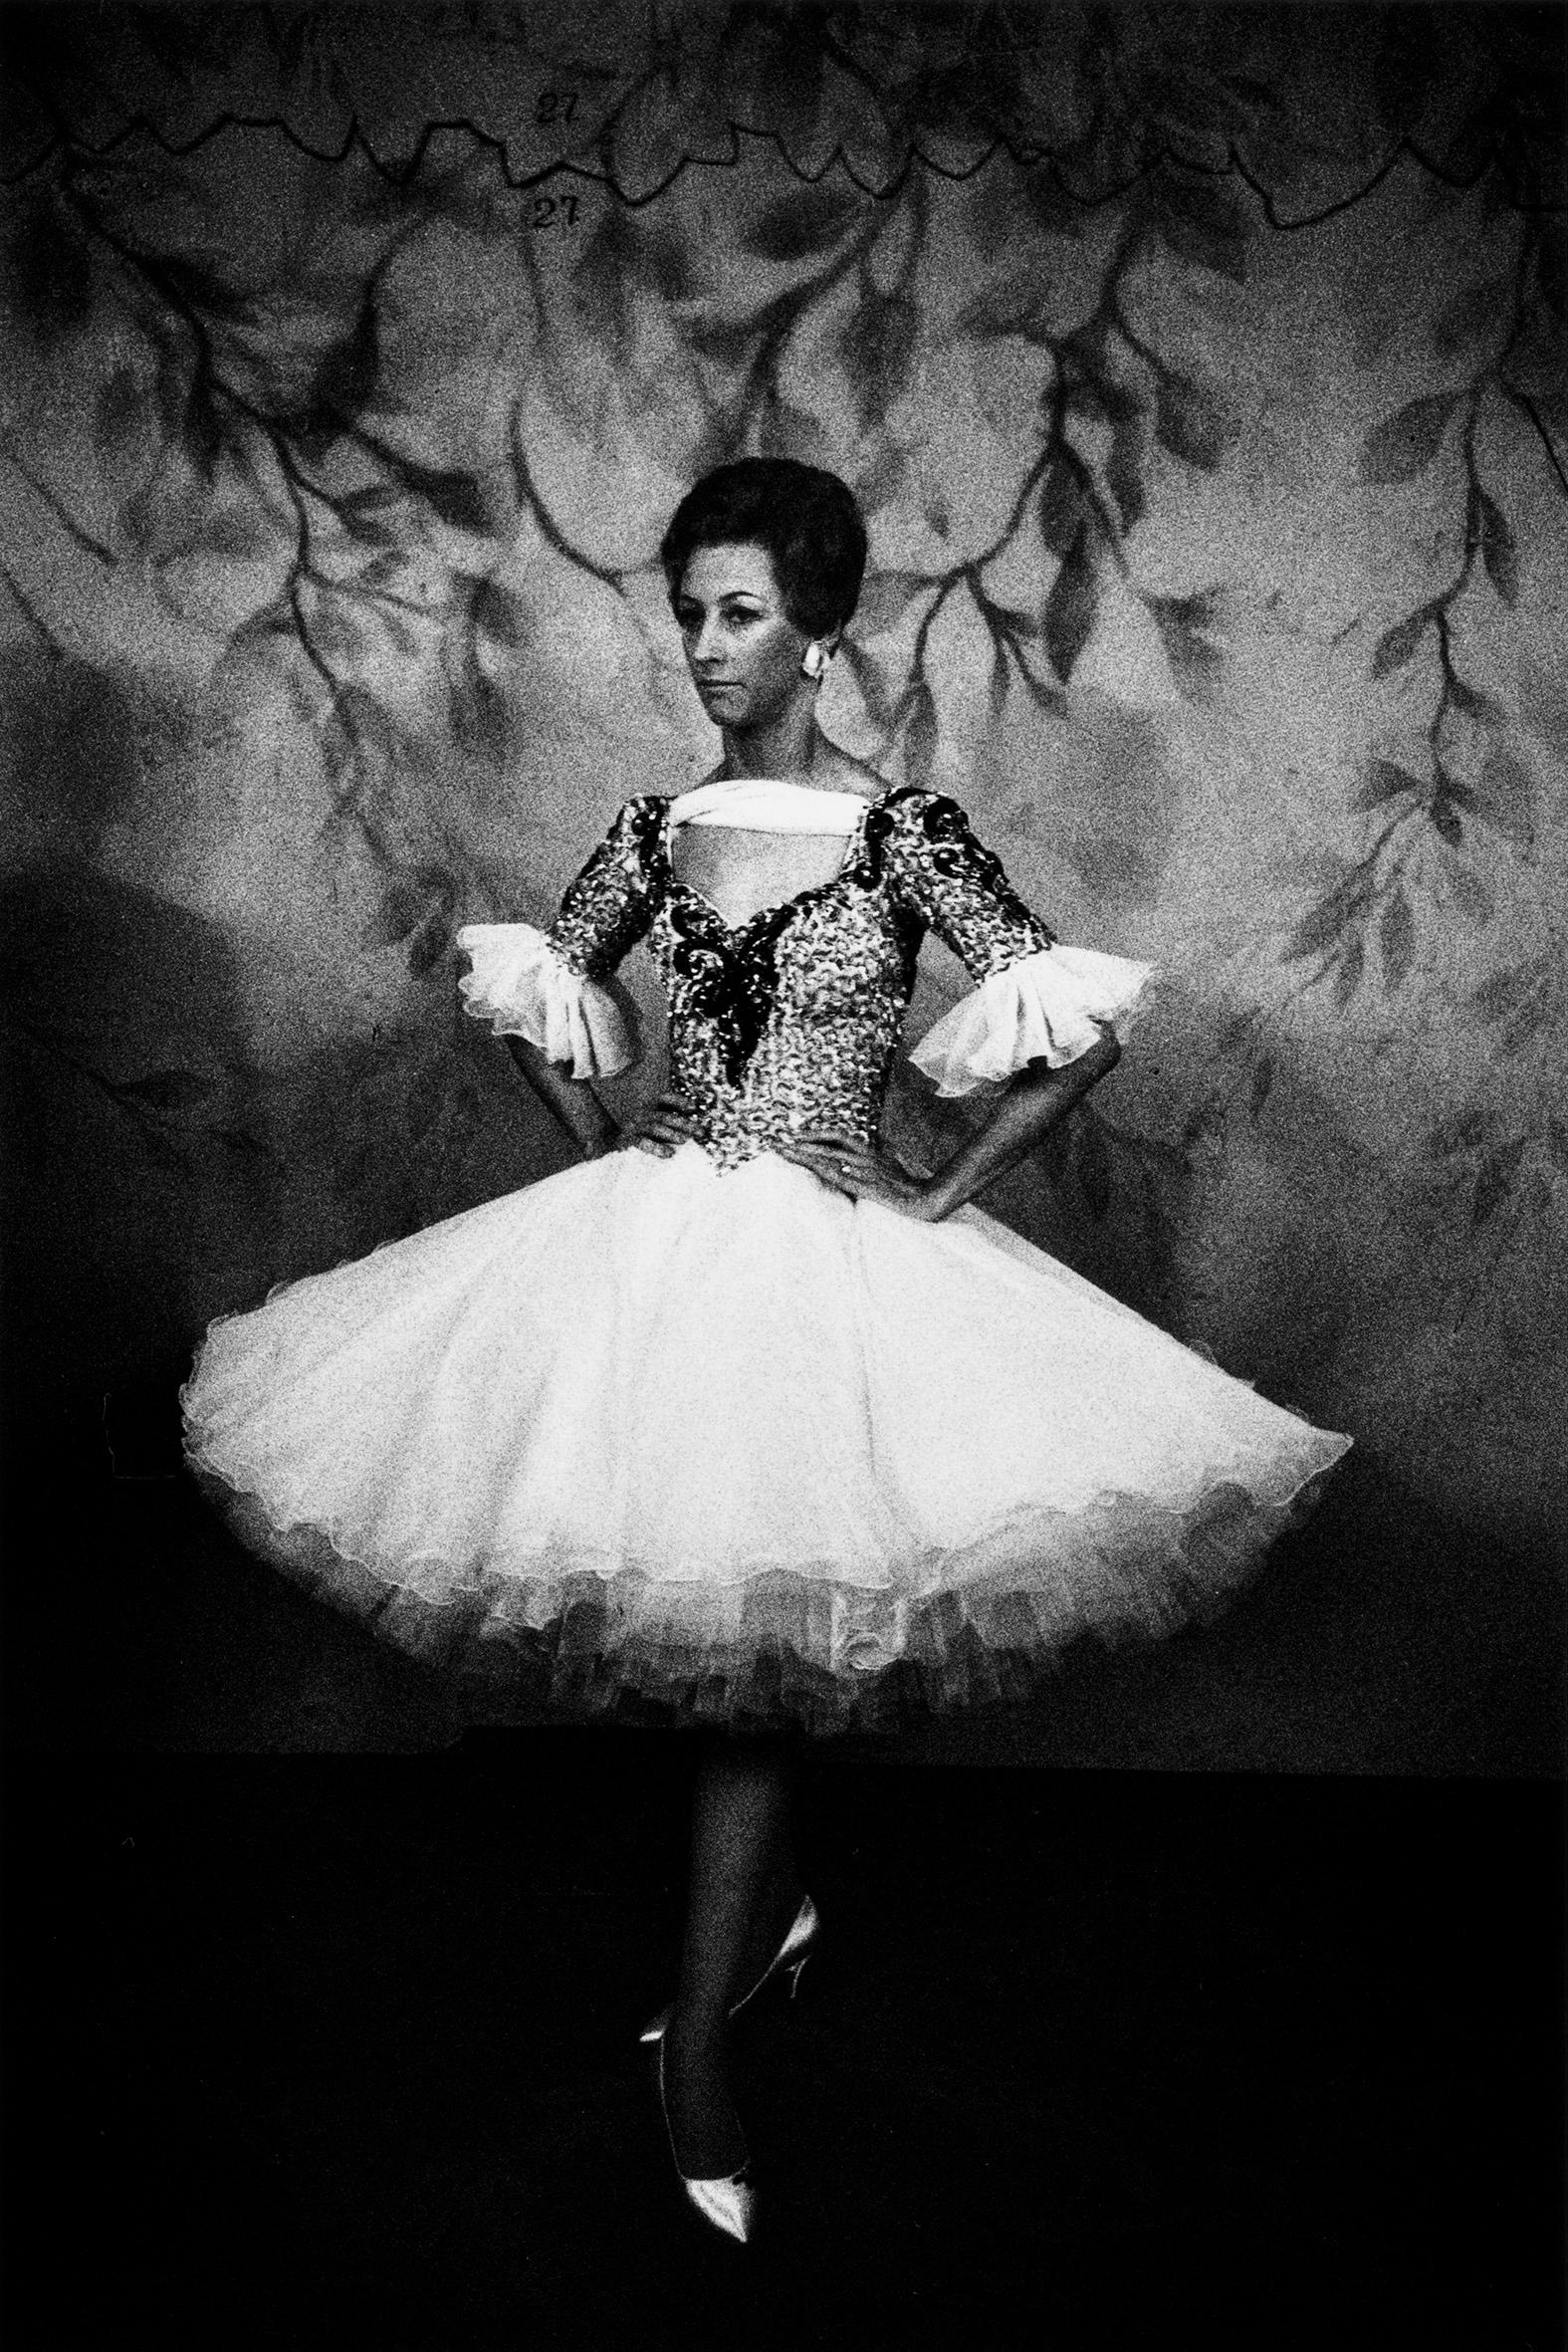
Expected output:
(788, 1649)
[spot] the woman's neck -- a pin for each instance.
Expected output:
(794, 750)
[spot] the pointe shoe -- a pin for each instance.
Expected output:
(729, 2201)
(789, 1958)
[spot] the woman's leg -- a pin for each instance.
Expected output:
(742, 1893)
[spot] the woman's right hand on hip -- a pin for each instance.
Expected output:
(660, 1128)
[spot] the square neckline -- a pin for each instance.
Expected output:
(853, 845)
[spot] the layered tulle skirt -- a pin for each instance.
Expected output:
(650, 1435)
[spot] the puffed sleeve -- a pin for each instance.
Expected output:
(554, 987)
(1035, 1000)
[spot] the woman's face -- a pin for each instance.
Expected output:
(742, 648)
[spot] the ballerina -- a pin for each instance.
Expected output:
(745, 1419)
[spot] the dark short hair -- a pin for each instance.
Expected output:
(805, 518)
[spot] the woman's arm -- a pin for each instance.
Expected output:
(551, 996)
(572, 1102)
(660, 1128)
(1036, 1100)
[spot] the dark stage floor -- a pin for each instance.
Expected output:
(341, 2052)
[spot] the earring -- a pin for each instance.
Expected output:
(814, 662)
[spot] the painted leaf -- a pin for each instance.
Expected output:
(1474, 311)
(1505, 991)
(1404, 444)
(355, 724)
(1469, 699)
(1070, 607)
(1446, 819)
(919, 731)
(314, 436)
(1205, 1120)
(263, 626)
(1193, 424)
(875, 691)
(1396, 645)
(1207, 228)
(1499, 552)
(1184, 623)
(788, 431)
(885, 599)
(1459, 1132)
(480, 717)
(883, 480)
(1124, 470)
(1016, 624)
(1471, 895)
(1320, 926)
(1090, 388)
(1527, 1024)
(405, 906)
(1052, 207)
(1263, 1086)
(118, 413)
(800, 223)
(995, 703)
(238, 531)
(429, 944)
(1061, 508)
(195, 283)
(877, 349)
(1200, 610)
(369, 514)
(344, 377)
(201, 425)
(726, 340)
(1192, 106)
(602, 279)
(1384, 779)
(665, 264)
(1007, 307)
(1397, 938)
(456, 498)
(1506, 796)
(1494, 1181)
(332, 632)
(497, 611)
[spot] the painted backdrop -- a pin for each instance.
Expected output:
(1202, 377)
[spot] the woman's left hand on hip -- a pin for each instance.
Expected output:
(862, 1174)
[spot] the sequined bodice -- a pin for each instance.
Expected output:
(790, 1020)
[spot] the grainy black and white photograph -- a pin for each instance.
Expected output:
(785, 1312)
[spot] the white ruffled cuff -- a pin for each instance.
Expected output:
(522, 988)
(1047, 1006)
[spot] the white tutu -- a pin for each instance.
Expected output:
(650, 1430)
